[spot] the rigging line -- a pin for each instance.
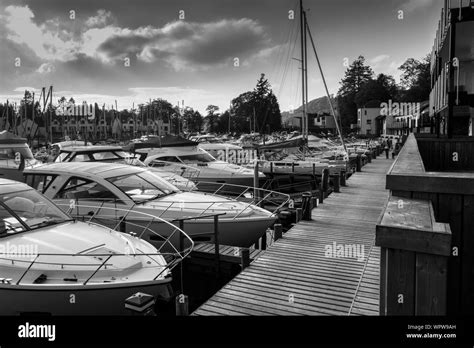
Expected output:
(280, 50)
(288, 63)
(287, 60)
(326, 87)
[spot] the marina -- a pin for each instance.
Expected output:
(264, 172)
(293, 276)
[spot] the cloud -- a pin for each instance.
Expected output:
(102, 19)
(46, 68)
(180, 44)
(41, 39)
(188, 45)
(379, 59)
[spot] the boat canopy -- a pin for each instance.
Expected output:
(7, 138)
(283, 145)
(163, 141)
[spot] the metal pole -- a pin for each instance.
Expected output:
(302, 30)
(305, 68)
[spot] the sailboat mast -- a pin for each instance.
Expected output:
(302, 31)
(305, 68)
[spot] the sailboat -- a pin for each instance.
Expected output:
(301, 159)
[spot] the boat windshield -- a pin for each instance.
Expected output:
(13, 152)
(27, 210)
(144, 186)
(200, 157)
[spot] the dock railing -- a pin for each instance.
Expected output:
(439, 171)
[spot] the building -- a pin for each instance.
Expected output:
(321, 122)
(452, 71)
(367, 121)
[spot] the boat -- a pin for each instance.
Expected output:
(175, 153)
(136, 189)
(15, 155)
(115, 154)
(52, 264)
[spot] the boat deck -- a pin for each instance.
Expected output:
(298, 275)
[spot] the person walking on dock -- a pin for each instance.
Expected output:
(386, 148)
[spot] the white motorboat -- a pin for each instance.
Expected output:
(15, 155)
(110, 185)
(115, 154)
(210, 169)
(53, 264)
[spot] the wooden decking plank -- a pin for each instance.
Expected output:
(296, 264)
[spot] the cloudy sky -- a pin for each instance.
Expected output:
(130, 51)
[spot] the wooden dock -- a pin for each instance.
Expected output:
(298, 274)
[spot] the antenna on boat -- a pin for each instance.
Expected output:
(325, 84)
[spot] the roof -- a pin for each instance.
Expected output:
(164, 141)
(10, 138)
(7, 185)
(91, 149)
(106, 170)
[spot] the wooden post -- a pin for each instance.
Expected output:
(306, 206)
(337, 182)
(359, 163)
(216, 246)
(182, 305)
(343, 177)
(299, 214)
(325, 180)
(244, 258)
(369, 157)
(278, 232)
(314, 202)
(256, 193)
(415, 250)
(263, 241)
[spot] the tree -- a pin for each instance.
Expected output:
(376, 91)
(259, 106)
(356, 75)
(415, 79)
(212, 118)
(192, 119)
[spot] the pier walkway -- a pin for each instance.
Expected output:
(304, 273)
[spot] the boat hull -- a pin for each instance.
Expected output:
(104, 299)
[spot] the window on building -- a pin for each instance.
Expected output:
(365, 112)
(369, 121)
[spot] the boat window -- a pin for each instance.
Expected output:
(10, 153)
(39, 182)
(84, 189)
(202, 157)
(28, 208)
(8, 223)
(80, 158)
(7, 154)
(62, 157)
(144, 186)
(168, 159)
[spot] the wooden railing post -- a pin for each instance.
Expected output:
(343, 177)
(244, 258)
(278, 233)
(414, 259)
(336, 179)
(216, 245)
(359, 163)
